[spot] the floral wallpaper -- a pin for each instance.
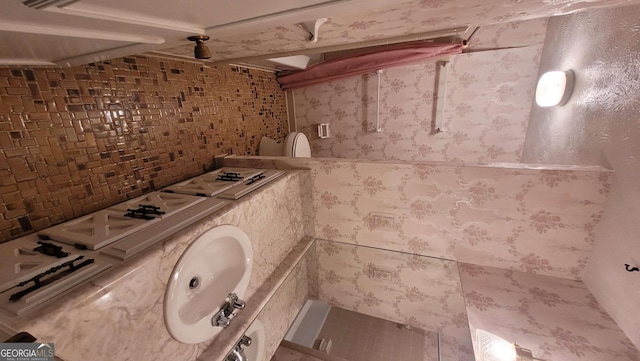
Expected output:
(509, 226)
(536, 219)
(374, 20)
(418, 291)
(488, 100)
(557, 319)
(539, 221)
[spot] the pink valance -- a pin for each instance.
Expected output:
(394, 55)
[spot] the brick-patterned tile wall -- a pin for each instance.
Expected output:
(76, 140)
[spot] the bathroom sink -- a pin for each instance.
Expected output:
(213, 266)
(255, 351)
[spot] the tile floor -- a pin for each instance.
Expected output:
(358, 337)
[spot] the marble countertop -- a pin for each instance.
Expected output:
(106, 318)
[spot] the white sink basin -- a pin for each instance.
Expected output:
(255, 351)
(214, 265)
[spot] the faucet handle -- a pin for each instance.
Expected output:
(235, 301)
(238, 304)
(221, 321)
(245, 341)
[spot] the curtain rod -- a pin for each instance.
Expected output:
(363, 44)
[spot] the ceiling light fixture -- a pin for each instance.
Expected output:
(200, 51)
(555, 88)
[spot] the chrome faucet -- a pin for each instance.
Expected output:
(223, 317)
(237, 354)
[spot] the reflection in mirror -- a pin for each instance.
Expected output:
(372, 304)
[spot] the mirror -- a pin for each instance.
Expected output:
(412, 307)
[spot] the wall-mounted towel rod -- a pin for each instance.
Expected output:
(441, 95)
(378, 128)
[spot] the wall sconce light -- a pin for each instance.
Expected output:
(495, 348)
(200, 51)
(555, 88)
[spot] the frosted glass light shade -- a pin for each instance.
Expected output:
(554, 88)
(494, 348)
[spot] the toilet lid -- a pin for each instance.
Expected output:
(297, 145)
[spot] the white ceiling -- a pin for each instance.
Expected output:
(92, 30)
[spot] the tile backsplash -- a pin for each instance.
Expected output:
(76, 140)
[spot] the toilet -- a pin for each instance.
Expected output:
(295, 145)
